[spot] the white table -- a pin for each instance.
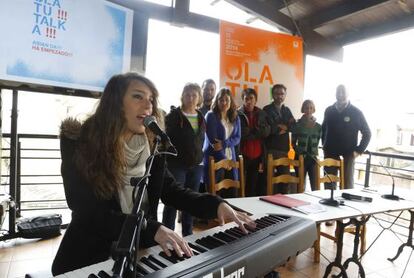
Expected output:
(357, 212)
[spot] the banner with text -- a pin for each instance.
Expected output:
(64, 43)
(258, 59)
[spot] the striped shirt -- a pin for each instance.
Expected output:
(193, 119)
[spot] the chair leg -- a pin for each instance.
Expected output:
(317, 244)
(363, 239)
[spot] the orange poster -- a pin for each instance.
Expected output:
(259, 59)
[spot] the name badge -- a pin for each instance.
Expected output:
(347, 119)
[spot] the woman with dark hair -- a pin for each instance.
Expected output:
(99, 157)
(222, 134)
(186, 128)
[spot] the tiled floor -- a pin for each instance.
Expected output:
(20, 256)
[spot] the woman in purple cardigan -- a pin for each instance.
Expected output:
(222, 135)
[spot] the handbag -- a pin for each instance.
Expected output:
(44, 226)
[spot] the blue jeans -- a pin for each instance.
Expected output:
(190, 178)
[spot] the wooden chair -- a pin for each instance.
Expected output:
(285, 178)
(226, 183)
(329, 178)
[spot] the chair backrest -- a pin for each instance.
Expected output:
(226, 183)
(286, 178)
(329, 178)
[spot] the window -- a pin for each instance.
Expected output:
(399, 137)
(180, 55)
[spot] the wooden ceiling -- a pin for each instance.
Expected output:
(327, 25)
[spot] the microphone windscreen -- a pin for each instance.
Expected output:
(149, 120)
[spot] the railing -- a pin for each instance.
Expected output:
(39, 184)
(384, 168)
(47, 187)
(387, 169)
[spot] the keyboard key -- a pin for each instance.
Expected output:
(168, 258)
(216, 240)
(147, 262)
(224, 237)
(232, 233)
(156, 261)
(197, 247)
(140, 269)
(103, 274)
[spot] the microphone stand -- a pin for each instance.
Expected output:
(390, 196)
(125, 249)
(331, 200)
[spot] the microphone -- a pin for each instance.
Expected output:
(350, 196)
(389, 196)
(151, 123)
(331, 200)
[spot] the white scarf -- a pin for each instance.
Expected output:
(136, 152)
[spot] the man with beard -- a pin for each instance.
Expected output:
(281, 121)
(209, 91)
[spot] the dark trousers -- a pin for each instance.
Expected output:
(190, 178)
(349, 161)
(280, 170)
(251, 167)
(309, 169)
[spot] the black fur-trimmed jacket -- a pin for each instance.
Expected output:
(96, 223)
(188, 143)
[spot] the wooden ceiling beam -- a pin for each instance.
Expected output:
(268, 11)
(341, 11)
(314, 43)
(397, 25)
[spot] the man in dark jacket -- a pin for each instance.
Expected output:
(340, 128)
(281, 121)
(254, 128)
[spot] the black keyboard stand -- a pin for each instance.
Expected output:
(340, 226)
